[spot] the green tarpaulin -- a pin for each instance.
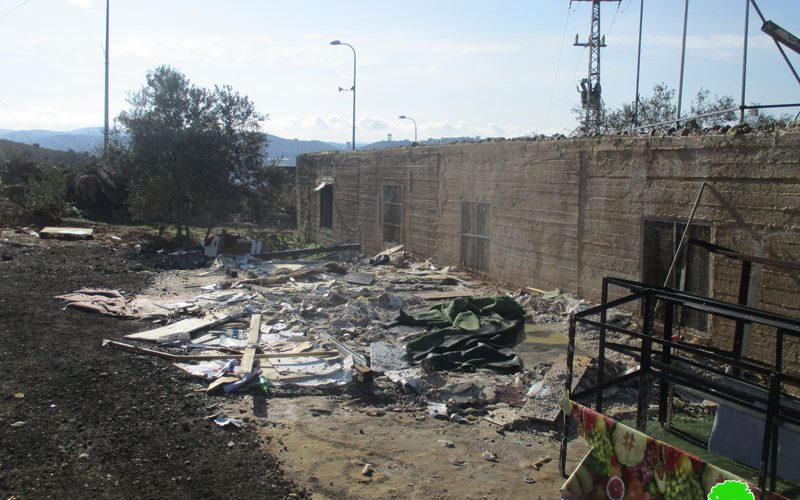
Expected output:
(468, 333)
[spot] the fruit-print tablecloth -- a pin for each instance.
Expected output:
(625, 464)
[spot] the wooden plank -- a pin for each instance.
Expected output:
(216, 386)
(205, 357)
(249, 356)
(180, 330)
(389, 251)
(359, 278)
(449, 294)
(546, 406)
(248, 359)
(255, 329)
(283, 254)
(67, 233)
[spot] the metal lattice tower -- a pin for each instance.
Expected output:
(590, 89)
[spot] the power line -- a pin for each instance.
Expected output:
(19, 127)
(9, 12)
(558, 67)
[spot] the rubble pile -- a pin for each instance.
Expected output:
(430, 339)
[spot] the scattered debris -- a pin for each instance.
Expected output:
(269, 328)
(545, 397)
(223, 421)
(180, 330)
(359, 278)
(367, 470)
(383, 257)
(540, 462)
(451, 294)
(99, 300)
(386, 356)
(231, 243)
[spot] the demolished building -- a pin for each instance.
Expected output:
(565, 213)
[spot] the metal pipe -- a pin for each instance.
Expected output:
(683, 60)
(638, 65)
(601, 349)
(744, 57)
(105, 126)
(354, 95)
(760, 106)
(404, 117)
(780, 49)
(683, 236)
(701, 115)
(562, 456)
(642, 403)
(352, 89)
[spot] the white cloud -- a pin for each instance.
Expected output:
(212, 48)
(84, 4)
(370, 128)
(716, 46)
(476, 49)
(49, 118)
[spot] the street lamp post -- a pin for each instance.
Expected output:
(404, 117)
(352, 89)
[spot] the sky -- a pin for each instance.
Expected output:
(459, 68)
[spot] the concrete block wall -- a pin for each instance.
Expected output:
(566, 213)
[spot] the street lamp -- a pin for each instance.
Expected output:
(404, 117)
(352, 89)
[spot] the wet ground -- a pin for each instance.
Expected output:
(325, 443)
(77, 420)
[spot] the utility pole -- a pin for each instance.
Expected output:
(590, 89)
(105, 126)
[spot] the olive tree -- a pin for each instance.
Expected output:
(191, 155)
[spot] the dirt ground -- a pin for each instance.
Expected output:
(80, 421)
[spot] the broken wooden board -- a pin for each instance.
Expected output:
(359, 278)
(216, 386)
(207, 357)
(546, 405)
(67, 233)
(446, 295)
(180, 330)
(389, 251)
(255, 329)
(249, 356)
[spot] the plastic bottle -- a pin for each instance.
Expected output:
(264, 384)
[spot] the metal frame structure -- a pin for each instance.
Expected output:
(591, 96)
(676, 363)
(775, 32)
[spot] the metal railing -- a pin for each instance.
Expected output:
(720, 374)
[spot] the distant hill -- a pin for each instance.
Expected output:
(428, 142)
(10, 150)
(288, 149)
(90, 140)
(80, 140)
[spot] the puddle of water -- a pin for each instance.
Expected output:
(543, 343)
(544, 334)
